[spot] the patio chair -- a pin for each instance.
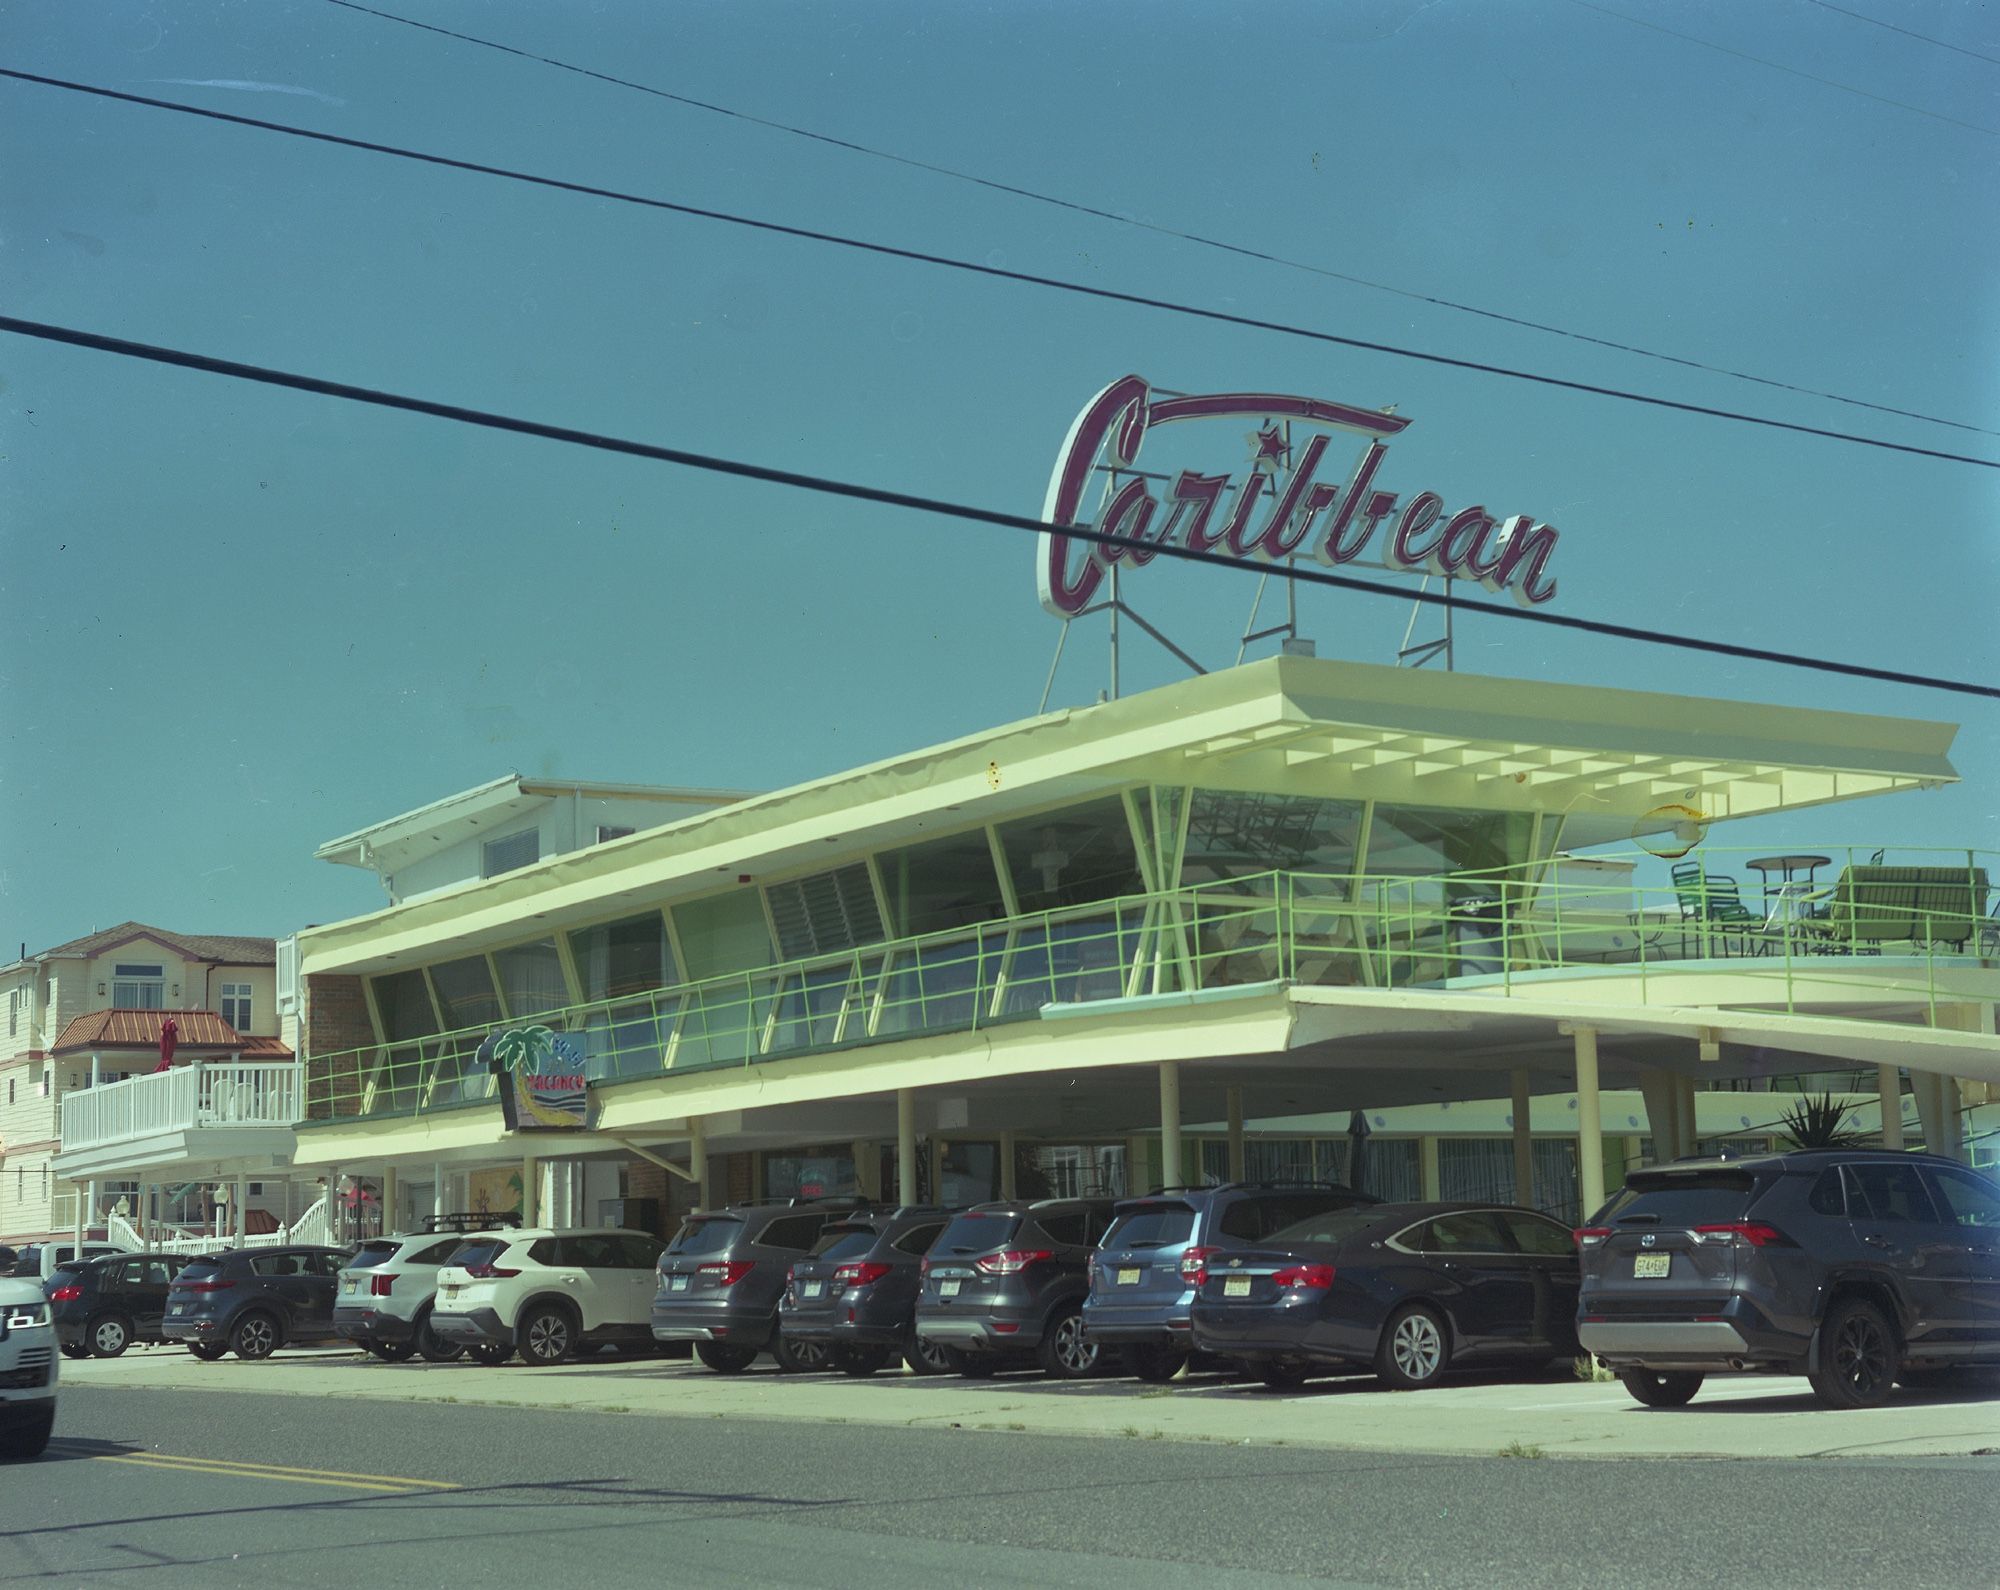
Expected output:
(1712, 909)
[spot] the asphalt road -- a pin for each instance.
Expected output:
(179, 1488)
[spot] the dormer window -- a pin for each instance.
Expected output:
(513, 851)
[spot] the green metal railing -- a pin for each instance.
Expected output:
(1480, 930)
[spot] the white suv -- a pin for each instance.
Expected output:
(548, 1293)
(382, 1300)
(28, 1369)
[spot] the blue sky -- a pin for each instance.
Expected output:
(240, 622)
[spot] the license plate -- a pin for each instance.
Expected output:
(811, 1289)
(347, 1284)
(949, 1288)
(1128, 1278)
(1236, 1286)
(178, 1308)
(449, 1293)
(1652, 1266)
(677, 1283)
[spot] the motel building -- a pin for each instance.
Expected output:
(1253, 923)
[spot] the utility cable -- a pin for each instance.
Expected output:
(1243, 250)
(996, 272)
(1877, 22)
(743, 469)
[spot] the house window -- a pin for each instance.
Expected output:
(10, 1090)
(236, 1005)
(136, 987)
(13, 1010)
(607, 831)
(515, 850)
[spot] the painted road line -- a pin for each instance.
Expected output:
(228, 1469)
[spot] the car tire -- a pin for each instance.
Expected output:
(1281, 1377)
(392, 1352)
(1066, 1351)
(28, 1439)
(208, 1352)
(926, 1357)
(1661, 1388)
(861, 1362)
(110, 1335)
(1415, 1349)
(970, 1366)
(433, 1347)
(77, 1351)
(1156, 1364)
(796, 1357)
(546, 1335)
(1859, 1357)
(725, 1359)
(491, 1354)
(256, 1335)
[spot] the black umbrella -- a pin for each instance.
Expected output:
(1357, 1151)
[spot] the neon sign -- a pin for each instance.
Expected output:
(544, 1086)
(1273, 515)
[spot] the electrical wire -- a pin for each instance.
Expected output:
(825, 485)
(1877, 22)
(1242, 250)
(996, 272)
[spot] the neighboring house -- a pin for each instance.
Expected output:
(89, 1011)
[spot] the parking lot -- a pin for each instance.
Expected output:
(1552, 1416)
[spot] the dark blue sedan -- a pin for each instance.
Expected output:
(1411, 1291)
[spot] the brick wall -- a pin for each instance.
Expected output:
(336, 1020)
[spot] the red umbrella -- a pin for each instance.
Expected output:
(170, 1037)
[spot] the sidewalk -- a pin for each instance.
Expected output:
(1741, 1417)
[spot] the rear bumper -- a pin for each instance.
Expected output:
(854, 1317)
(991, 1331)
(371, 1325)
(1738, 1335)
(197, 1328)
(739, 1327)
(1254, 1331)
(1163, 1325)
(481, 1327)
(1613, 1341)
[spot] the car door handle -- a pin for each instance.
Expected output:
(1878, 1242)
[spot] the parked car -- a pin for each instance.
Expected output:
(102, 1306)
(1854, 1267)
(40, 1260)
(1412, 1290)
(1142, 1275)
(252, 1301)
(547, 1294)
(386, 1290)
(856, 1292)
(722, 1276)
(28, 1370)
(1009, 1278)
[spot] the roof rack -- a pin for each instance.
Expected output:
(468, 1220)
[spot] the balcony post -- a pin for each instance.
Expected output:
(1589, 1123)
(1235, 1108)
(242, 1207)
(906, 1145)
(1524, 1140)
(531, 1170)
(698, 1160)
(1008, 1152)
(1170, 1123)
(332, 1204)
(1889, 1090)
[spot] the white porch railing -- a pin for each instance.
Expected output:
(309, 1228)
(187, 1097)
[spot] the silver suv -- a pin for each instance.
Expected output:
(27, 1370)
(384, 1296)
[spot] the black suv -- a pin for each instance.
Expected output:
(722, 1276)
(102, 1306)
(1854, 1267)
(1009, 1278)
(252, 1301)
(856, 1291)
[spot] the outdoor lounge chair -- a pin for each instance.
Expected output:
(1872, 906)
(1713, 912)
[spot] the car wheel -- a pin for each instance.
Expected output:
(392, 1352)
(78, 1351)
(725, 1359)
(491, 1354)
(1414, 1349)
(970, 1366)
(797, 1357)
(434, 1348)
(1661, 1389)
(1156, 1364)
(110, 1336)
(1066, 1351)
(925, 1357)
(547, 1335)
(208, 1352)
(861, 1362)
(1859, 1357)
(30, 1438)
(255, 1336)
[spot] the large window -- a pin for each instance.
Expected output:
(724, 933)
(626, 962)
(1072, 857)
(509, 852)
(139, 987)
(531, 979)
(825, 913)
(236, 1005)
(465, 993)
(404, 1004)
(1232, 835)
(942, 884)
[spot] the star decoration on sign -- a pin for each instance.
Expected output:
(1271, 453)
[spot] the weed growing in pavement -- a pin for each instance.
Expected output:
(1157, 1391)
(1130, 1430)
(1520, 1449)
(1588, 1368)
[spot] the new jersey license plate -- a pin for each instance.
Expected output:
(1236, 1286)
(812, 1289)
(347, 1283)
(1128, 1277)
(949, 1288)
(1652, 1266)
(677, 1283)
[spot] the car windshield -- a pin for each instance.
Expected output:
(711, 1234)
(202, 1269)
(1151, 1226)
(371, 1254)
(977, 1232)
(845, 1242)
(1329, 1225)
(1678, 1200)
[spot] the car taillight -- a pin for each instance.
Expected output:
(1013, 1261)
(66, 1294)
(1317, 1276)
(923, 1267)
(1092, 1267)
(859, 1274)
(727, 1273)
(1589, 1236)
(203, 1286)
(379, 1284)
(490, 1272)
(1754, 1232)
(1194, 1264)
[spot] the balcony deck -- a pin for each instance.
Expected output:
(201, 1113)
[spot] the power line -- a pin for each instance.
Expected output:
(826, 486)
(1243, 250)
(995, 272)
(1826, 5)
(1791, 71)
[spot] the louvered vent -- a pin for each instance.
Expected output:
(827, 912)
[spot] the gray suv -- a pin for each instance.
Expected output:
(857, 1291)
(1854, 1267)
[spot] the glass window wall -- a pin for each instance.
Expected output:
(626, 963)
(531, 979)
(941, 884)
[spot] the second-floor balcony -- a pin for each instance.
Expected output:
(200, 1112)
(1896, 929)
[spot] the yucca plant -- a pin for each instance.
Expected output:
(1820, 1122)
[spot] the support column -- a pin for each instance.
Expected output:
(242, 1207)
(1235, 1097)
(284, 1207)
(698, 1159)
(1937, 1109)
(1427, 1169)
(440, 1193)
(867, 1169)
(1170, 1123)
(906, 1145)
(331, 1203)
(1685, 1113)
(82, 1214)
(531, 1172)
(389, 1220)
(1889, 1090)
(1662, 1094)
(1524, 1140)
(1589, 1125)
(1009, 1151)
